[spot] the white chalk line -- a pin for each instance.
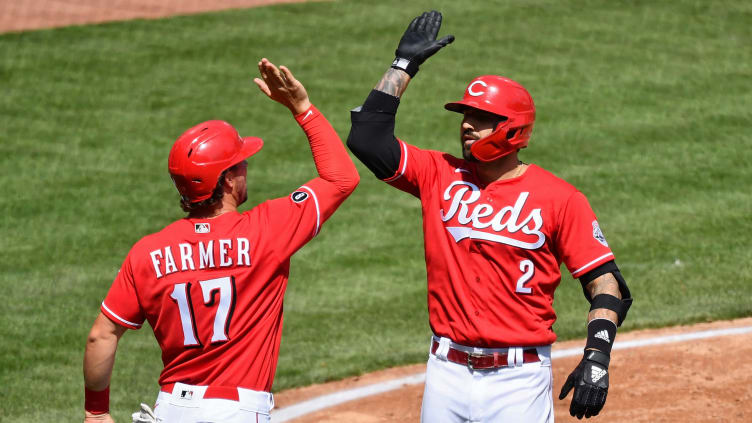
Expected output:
(330, 400)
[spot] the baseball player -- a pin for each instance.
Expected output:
(211, 285)
(496, 230)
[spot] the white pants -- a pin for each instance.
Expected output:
(454, 393)
(186, 404)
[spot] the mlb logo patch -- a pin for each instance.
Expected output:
(299, 196)
(186, 395)
(202, 228)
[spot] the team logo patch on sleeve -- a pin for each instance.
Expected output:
(598, 235)
(201, 228)
(299, 196)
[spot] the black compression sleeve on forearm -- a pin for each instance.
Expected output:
(372, 137)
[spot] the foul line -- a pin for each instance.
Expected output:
(330, 400)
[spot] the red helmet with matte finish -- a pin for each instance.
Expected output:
(504, 97)
(203, 152)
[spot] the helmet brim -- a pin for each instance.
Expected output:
(251, 146)
(461, 106)
(458, 107)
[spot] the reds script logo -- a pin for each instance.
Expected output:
(464, 195)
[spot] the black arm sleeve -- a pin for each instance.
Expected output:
(626, 296)
(607, 267)
(371, 136)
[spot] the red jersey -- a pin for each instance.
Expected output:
(212, 289)
(493, 251)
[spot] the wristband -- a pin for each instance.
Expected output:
(601, 334)
(97, 402)
(598, 357)
(409, 66)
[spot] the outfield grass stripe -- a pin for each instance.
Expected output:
(341, 397)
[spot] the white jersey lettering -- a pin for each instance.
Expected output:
(169, 261)
(206, 256)
(211, 254)
(155, 261)
(244, 258)
(186, 257)
(224, 261)
(463, 195)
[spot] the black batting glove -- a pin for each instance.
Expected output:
(590, 382)
(419, 42)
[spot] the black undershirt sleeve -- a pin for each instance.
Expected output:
(372, 138)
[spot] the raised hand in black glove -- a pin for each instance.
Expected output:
(590, 382)
(419, 42)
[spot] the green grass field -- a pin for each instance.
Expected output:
(643, 105)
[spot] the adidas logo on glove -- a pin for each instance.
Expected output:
(597, 374)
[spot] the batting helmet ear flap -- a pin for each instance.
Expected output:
(493, 146)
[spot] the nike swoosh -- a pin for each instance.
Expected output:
(310, 112)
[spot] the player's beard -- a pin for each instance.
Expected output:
(241, 192)
(466, 153)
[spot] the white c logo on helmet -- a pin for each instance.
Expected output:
(476, 93)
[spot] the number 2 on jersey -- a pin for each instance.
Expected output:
(528, 271)
(181, 295)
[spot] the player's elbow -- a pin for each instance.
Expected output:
(348, 184)
(353, 181)
(369, 134)
(99, 335)
(374, 144)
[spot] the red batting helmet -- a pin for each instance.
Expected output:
(203, 152)
(504, 97)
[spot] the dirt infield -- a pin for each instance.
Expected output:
(708, 380)
(702, 381)
(18, 15)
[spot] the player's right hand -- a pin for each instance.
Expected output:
(281, 86)
(419, 42)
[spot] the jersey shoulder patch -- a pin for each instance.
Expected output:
(299, 196)
(598, 234)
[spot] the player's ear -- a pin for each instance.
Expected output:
(228, 180)
(230, 175)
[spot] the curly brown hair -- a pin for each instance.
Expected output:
(217, 194)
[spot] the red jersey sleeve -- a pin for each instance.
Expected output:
(580, 241)
(417, 168)
(294, 220)
(121, 304)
